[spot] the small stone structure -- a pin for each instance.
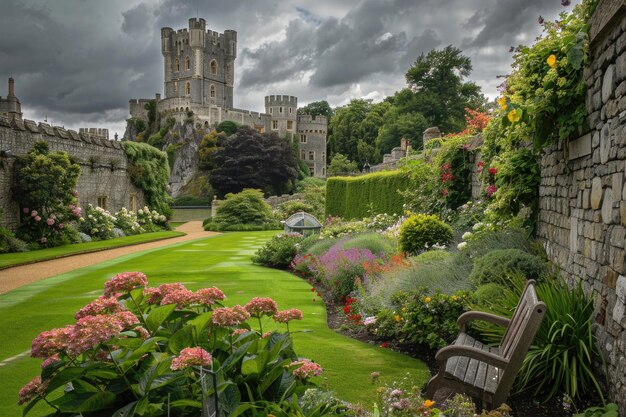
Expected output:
(104, 179)
(582, 218)
(390, 160)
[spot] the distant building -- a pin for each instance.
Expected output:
(199, 67)
(10, 106)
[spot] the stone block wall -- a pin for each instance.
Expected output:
(103, 165)
(582, 218)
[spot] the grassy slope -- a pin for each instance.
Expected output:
(13, 259)
(222, 261)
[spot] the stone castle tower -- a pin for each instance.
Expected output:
(11, 106)
(283, 111)
(199, 64)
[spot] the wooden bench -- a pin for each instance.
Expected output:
(485, 372)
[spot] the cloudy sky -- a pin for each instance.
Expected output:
(78, 62)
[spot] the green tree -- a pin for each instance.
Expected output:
(398, 125)
(317, 108)
(207, 148)
(249, 159)
(441, 93)
(347, 129)
(341, 165)
(228, 127)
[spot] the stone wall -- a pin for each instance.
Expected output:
(103, 165)
(582, 215)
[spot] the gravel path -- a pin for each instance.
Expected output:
(18, 276)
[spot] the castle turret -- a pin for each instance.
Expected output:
(11, 106)
(312, 132)
(283, 111)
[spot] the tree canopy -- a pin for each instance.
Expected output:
(249, 159)
(317, 108)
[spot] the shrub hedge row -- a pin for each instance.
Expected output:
(358, 197)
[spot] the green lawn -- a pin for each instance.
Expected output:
(176, 224)
(222, 261)
(13, 259)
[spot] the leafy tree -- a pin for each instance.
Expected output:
(207, 148)
(346, 128)
(151, 107)
(441, 93)
(317, 108)
(246, 207)
(228, 127)
(398, 125)
(249, 159)
(340, 165)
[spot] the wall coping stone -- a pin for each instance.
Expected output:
(606, 12)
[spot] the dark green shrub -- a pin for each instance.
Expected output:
(421, 231)
(9, 243)
(294, 206)
(279, 251)
(488, 294)
(246, 207)
(500, 265)
(359, 197)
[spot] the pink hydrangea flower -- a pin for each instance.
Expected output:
(25, 210)
(124, 282)
(259, 306)
(155, 295)
(229, 316)
(127, 319)
(266, 335)
(52, 359)
(239, 332)
(286, 316)
(208, 296)
(50, 221)
(306, 369)
(50, 342)
(61, 225)
(101, 305)
(194, 356)
(490, 190)
(90, 331)
(142, 332)
(182, 298)
(34, 388)
(37, 218)
(33, 213)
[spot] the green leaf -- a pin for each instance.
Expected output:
(78, 403)
(127, 411)
(30, 405)
(63, 377)
(250, 366)
(181, 339)
(158, 316)
(200, 322)
(575, 56)
(185, 403)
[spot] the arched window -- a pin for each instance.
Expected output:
(187, 63)
(214, 67)
(212, 92)
(188, 88)
(177, 64)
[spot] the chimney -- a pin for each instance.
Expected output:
(11, 87)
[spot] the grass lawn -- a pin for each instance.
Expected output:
(222, 261)
(176, 224)
(13, 259)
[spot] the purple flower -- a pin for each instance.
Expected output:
(565, 2)
(512, 49)
(540, 20)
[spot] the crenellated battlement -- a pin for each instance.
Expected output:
(281, 100)
(308, 120)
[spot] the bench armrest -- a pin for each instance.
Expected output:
(469, 352)
(480, 315)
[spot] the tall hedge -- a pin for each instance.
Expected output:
(358, 197)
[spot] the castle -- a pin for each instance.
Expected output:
(199, 72)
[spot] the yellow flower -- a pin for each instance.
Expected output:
(454, 298)
(513, 116)
(428, 403)
(398, 318)
(502, 103)
(551, 61)
(428, 299)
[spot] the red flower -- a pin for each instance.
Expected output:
(490, 190)
(346, 309)
(444, 192)
(493, 171)
(312, 289)
(384, 345)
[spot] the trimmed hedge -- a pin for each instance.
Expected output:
(365, 195)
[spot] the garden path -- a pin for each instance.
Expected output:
(18, 276)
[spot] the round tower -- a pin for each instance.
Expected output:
(283, 111)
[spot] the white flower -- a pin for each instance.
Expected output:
(477, 226)
(461, 245)
(467, 235)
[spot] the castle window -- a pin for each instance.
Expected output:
(176, 87)
(280, 110)
(312, 171)
(271, 110)
(188, 88)
(212, 91)
(302, 155)
(311, 155)
(132, 204)
(324, 171)
(302, 138)
(324, 156)
(290, 109)
(177, 64)
(187, 63)
(274, 124)
(214, 67)
(103, 201)
(289, 124)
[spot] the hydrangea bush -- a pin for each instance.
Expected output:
(97, 223)
(140, 350)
